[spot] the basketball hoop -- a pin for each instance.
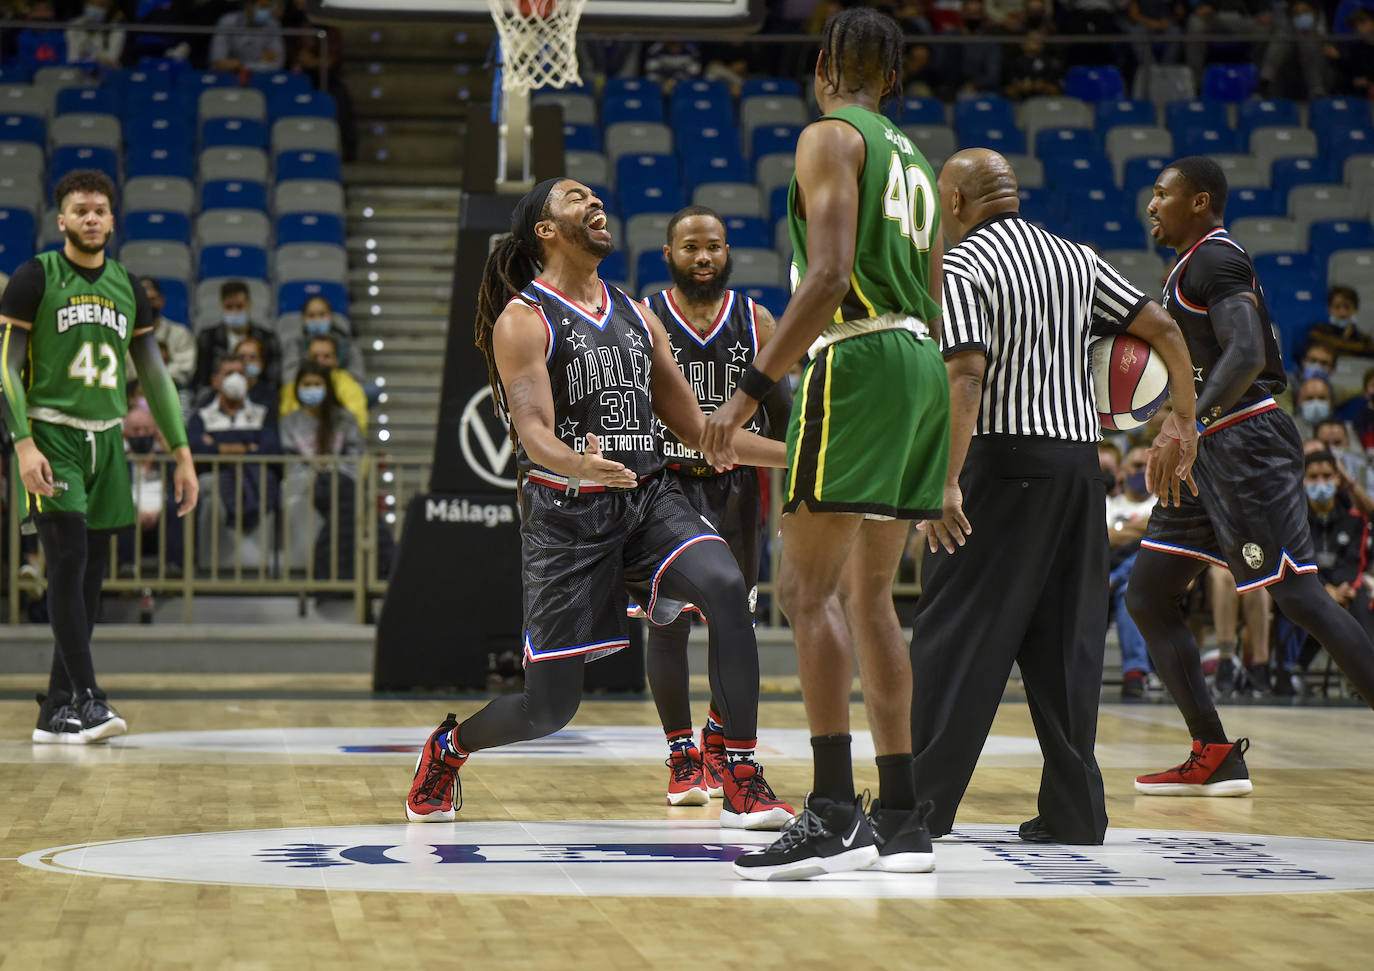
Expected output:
(538, 50)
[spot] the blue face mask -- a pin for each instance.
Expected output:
(252, 370)
(1310, 371)
(236, 321)
(1320, 492)
(312, 396)
(1135, 482)
(317, 326)
(1341, 321)
(92, 14)
(1315, 410)
(262, 15)
(1304, 21)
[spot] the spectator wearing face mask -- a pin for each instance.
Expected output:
(1339, 535)
(261, 390)
(1340, 331)
(1128, 513)
(236, 311)
(325, 351)
(103, 47)
(249, 39)
(1339, 439)
(1294, 64)
(1313, 405)
(1360, 412)
(318, 320)
(233, 425)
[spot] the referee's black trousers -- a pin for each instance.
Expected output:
(1030, 586)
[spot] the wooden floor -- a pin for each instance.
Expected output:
(1313, 769)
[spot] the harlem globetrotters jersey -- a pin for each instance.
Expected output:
(599, 364)
(899, 215)
(79, 343)
(711, 362)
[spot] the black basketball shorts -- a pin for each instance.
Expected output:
(1250, 513)
(584, 555)
(732, 504)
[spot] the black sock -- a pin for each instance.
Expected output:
(1207, 729)
(897, 781)
(834, 772)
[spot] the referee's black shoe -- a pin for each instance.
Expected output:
(826, 837)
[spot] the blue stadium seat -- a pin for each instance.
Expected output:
(1099, 205)
(1276, 265)
(153, 159)
(176, 297)
(1289, 172)
(637, 87)
(291, 297)
(701, 103)
(164, 130)
(87, 101)
(1339, 146)
(1326, 116)
(309, 165)
(701, 88)
(651, 198)
(581, 138)
(773, 299)
(1052, 142)
(1079, 172)
(1293, 307)
(233, 194)
(1262, 112)
(631, 107)
(1008, 141)
(1181, 115)
(1108, 234)
(772, 87)
(767, 139)
(923, 111)
(156, 102)
(649, 266)
(145, 226)
(1207, 140)
(1329, 235)
(241, 132)
(1244, 201)
(16, 72)
(68, 158)
(310, 227)
(615, 270)
(271, 82)
(13, 253)
(1229, 82)
(1039, 206)
(301, 104)
(777, 203)
(137, 82)
(23, 128)
(983, 112)
(1094, 83)
(639, 170)
(243, 262)
(713, 139)
(748, 231)
(1124, 111)
(717, 168)
(1143, 171)
(17, 230)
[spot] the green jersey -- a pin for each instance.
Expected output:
(78, 344)
(898, 219)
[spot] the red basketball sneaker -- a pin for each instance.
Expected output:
(1212, 770)
(686, 784)
(435, 786)
(749, 802)
(713, 762)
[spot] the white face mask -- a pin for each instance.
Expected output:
(234, 386)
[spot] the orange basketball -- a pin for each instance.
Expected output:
(536, 8)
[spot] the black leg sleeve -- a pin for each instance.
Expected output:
(97, 563)
(706, 574)
(1305, 602)
(64, 543)
(668, 672)
(553, 691)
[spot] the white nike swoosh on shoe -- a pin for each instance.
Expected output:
(849, 840)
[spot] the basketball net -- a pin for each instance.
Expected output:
(538, 50)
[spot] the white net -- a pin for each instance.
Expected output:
(538, 42)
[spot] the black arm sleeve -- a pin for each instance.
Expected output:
(24, 292)
(777, 408)
(1240, 332)
(145, 316)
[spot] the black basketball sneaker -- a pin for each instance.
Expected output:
(903, 839)
(58, 722)
(827, 837)
(98, 720)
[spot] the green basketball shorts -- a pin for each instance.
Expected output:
(870, 429)
(90, 475)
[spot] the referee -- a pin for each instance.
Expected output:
(1018, 571)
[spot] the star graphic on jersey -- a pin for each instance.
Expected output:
(568, 429)
(578, 340)
(677, 353)
(636, 340)
(1197, 373)
(738, 352)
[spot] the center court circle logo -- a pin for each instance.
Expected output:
(689, 858)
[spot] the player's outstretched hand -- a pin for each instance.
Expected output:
(185, 485)
(34, 469)
(602, 471)
(952, 528)
(1170, 462)
(718, 437)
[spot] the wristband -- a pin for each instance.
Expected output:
(754, 383)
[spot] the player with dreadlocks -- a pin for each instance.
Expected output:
(580, 370)
(868, 444)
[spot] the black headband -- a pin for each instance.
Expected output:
(528, 211)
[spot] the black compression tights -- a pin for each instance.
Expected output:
(77, 560)
(668, 673)
(704, 574)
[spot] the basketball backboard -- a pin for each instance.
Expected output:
(698, 17)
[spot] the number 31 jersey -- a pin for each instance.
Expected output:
(79, 341)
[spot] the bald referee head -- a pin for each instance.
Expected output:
(975, 184)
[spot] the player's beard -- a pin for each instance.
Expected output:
(701, 291)
(75, 238)
(580, 236)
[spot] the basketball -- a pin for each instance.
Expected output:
(536, 8)
(1130, 381)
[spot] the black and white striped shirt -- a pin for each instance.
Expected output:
(1032, 302)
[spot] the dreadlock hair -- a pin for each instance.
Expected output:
(862, 46)
(1204, 175)
(509, 269)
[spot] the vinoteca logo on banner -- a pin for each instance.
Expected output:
(462, 511)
